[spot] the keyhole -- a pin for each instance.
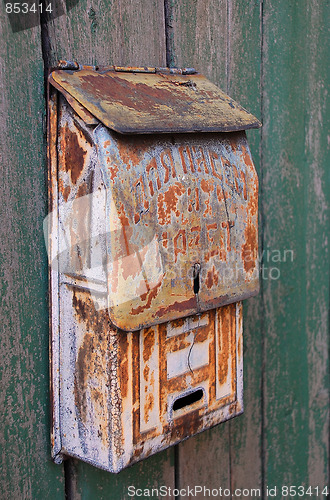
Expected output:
(196, 271)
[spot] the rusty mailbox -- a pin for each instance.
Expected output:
(152, 247)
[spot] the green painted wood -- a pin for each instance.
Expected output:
(27, 471)
(295, 205)
(244, 85)
(86, 482)
(317, 250)
(121, 33)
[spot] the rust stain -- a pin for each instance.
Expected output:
(195, 241)
(212, 253)
(246, 156)
(146, 372)
(131, 151)
(200, 159)
(207, 186)
(124, 92)
(150, 401)
(74, 155)
(148, 296)
(212, 278)
(167, 203)
(154, 102)
(113, 172)
(168, 164)
(66, 193)
(125, 375)
(249, 249)
(186, 159)
(148, 344)
(88, 356)
(165, 240)
(180, 244)
(91, 363)
(224, 340)
(82, 190)
(187, 425)
(189, 304)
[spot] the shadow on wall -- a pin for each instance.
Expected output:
(28, 14)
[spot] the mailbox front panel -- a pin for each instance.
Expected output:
(126, 396)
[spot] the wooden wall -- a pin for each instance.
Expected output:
(272, 57)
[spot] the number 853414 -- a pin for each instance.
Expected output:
(25, 8)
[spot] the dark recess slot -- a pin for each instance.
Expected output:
(188, 400)
(196, 278)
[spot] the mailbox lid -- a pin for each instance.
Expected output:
(155, 101)
(175, 202)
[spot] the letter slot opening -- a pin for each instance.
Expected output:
(187, 400)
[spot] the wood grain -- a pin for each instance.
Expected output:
(244, 85)
(124, 32)
(200, 37)
(295, 208)
(317, 250)
(204, 460)
(26, 468)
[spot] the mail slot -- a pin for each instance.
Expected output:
(152, 237)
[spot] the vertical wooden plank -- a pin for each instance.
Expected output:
(200, 40)
(124, 33)
(110, 32)
(222, 39)
(89, 483)
(243, 76)
(26, 468)
(199, 37)
(211, 451)
(296, 218)
(317, 245)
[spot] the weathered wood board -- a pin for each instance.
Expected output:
(26, 468)
(295, 208)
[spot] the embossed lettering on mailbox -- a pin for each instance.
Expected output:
(152, 245)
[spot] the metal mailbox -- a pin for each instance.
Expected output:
(152, 247)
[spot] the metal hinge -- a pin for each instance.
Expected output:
(74, 65)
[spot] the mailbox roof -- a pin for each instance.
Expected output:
(131, 101)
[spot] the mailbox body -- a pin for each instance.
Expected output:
(153, 245)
